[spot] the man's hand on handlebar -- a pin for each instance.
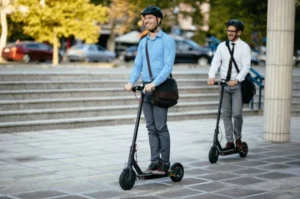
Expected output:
(149, 87)
(232, 83)
(128, 87)
(211, 81)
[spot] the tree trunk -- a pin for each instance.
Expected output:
(111, 39)
(3, 33)
(55, 49)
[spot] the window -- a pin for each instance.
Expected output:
(100, 48)
(92, 48)
(32, 46)
(44, 47)
(181, 45)
(78, 46)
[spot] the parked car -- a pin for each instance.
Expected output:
(262, 58)
(130, 53)
(90, 52)
(187, 51)
(28, 51)
(254, 57)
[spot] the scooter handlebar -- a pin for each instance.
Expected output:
(222, 83)
(137, 88)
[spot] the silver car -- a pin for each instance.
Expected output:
(89, 53)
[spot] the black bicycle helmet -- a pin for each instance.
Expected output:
(152, 10)
(236, 23)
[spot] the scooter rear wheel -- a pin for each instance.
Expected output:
(244, 153)
(126, 181)
(213, 155)
(177, 172)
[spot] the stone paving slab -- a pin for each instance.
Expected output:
(86, 163)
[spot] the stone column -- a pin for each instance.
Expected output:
(279, 67)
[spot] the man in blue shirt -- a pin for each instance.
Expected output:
(161, 49)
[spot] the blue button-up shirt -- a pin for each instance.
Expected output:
(161, 51)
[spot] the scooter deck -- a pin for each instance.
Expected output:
(228, 152)
(144, 174)
(147, 176)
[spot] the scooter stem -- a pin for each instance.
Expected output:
(136, 128)
(220, 106)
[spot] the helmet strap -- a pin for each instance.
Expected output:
(155, 29)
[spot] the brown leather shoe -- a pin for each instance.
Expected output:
(238, 144)
(229, 146)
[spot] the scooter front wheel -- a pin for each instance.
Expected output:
(127, 179)
(176, 172)
(213, 155)
(244, 152)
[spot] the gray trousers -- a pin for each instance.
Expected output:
(156, 123)
(232, 108)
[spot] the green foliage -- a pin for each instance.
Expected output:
(168, 8)
(61, 18)
(139, 5)
(252, 12)
(297, 27)
(124, 13)
(15, 31)
(102, 2)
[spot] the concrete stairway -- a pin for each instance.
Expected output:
(31, 102)
(295, 102)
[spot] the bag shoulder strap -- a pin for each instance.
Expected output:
(148, 62)
(232, 58)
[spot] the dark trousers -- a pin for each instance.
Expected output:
(156, 123)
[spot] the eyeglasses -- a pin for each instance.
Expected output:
(231, 31)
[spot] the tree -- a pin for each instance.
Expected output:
(252, 12)
(15, 31)
(49, 20)
(102, 2)
(170, 14)
(5, 8)
(122, 13)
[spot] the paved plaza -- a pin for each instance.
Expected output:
(87, 162)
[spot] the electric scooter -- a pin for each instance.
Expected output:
(132, 170)
(216, 148)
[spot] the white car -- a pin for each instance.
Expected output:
(90, 53)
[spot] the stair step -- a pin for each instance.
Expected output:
(81, 112)
(87, 76)
(92, 101)
(23, 126)
(52, 85)
(88, 92)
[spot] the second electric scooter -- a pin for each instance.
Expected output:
(132, 170)
(216, 149)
